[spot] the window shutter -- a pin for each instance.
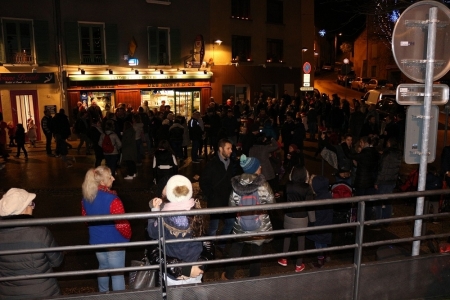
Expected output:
(175, 47)
(41, 41)
(72, 43)
(153, 46)
(2, 46)
(112, 44)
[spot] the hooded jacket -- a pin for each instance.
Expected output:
(298, 190)
(324, 213)
(246, 184)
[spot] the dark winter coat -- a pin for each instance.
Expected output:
(230, 125)
(176, 132)
(366, 168)
(129, 150)
(324, 213)
(15, 238)
(195, 131)
(61, 125)
(389, 166)
(215, 182)
(298, 190)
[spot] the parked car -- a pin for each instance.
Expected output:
(327, 67)
(384, 84)
(388, 106)
(374, 96)
(371, 85)
(359, 83)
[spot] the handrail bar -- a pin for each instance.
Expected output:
(284, 205)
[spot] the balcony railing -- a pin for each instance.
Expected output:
(92, 59)
(21, 58)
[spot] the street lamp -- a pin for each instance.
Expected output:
(304, 49)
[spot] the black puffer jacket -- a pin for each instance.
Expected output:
(366, 169)
(389, 166)
(298, 190)
(16, 238)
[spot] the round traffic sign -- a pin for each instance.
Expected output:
(306, 68)
(410, 37)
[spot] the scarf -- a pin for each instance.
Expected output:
(183, 205)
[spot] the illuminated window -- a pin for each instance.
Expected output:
(240, 9)
(91, 44)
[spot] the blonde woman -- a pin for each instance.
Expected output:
(99, 199)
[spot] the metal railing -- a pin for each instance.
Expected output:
(358, 244)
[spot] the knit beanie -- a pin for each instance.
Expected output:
(15, 201)
(249, 164)
(178, 189)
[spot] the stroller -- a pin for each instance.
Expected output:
(343, 213)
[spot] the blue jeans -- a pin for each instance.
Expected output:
(228, 222)
(194, 150)
(109, 260)
(386, 212)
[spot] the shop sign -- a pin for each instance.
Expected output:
(27, 78)
(200, 75)
(51, 108)
(172, 84)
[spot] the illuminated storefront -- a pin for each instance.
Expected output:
(183, 91)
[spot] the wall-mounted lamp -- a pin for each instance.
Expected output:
(110, 72)
(304, 49)
(184, 72)
(218, 42)
(161, 72)
(136, 72)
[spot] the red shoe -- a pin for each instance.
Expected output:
(282, 262)
(299, 268)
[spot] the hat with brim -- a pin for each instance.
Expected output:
(15, 201)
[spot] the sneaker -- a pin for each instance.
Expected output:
(282, 262)
(129, 177)
(299, 268)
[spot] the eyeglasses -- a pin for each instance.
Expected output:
(32, 204)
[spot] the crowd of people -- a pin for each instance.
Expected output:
(256, 158)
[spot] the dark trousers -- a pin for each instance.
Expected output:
(98, 155)
(194, 150)
(21, 146)
(131, 167)
(177, 148)
(111, 162)
(48, 143)
(236, 251)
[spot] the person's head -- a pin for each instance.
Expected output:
(196, 115)
(170, 116)
(141, 109)
(163, 102)
(93, 103)
(167, 107)
(164, 145)
(17, 202)
(250, 165)
(137, 118)
(145, 103)
(289, 118)
(100, 176)
(178, 189)
(293, 148)
(372, 120)
(348, 139)
(47, 112)
(225, 148)
(364, 141)
(62, 111)
(109, 125)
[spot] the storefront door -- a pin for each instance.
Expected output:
(24, 106)
(131, 97)
(186, 102)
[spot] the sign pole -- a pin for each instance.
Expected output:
(431, 43)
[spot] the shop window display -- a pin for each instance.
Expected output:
(182, 103)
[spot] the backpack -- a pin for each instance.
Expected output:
(250, 220)
(341, 190)
(107, 145)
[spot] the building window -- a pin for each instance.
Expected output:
(18, 41)
(274, 51)
(238, 92)
(240, 9)
(275, 11)
(159, 45)
(241, 48)
(91, 44)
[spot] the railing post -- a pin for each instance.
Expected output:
(359, 237)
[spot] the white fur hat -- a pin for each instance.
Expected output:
(178, 195)
(15, 201)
